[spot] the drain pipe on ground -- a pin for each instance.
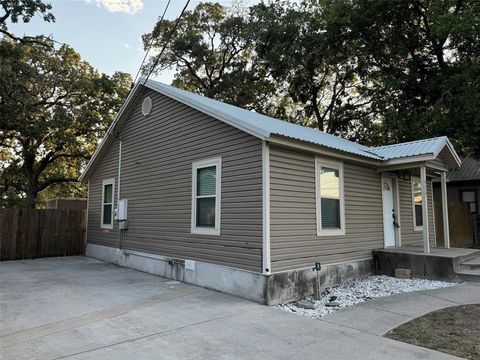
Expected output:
(317, 268)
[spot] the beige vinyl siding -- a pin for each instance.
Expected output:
(293, 235)
(438, 162)
(107, 169)
(409, 235)
(157, 155)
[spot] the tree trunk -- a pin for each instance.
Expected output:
(31, 199)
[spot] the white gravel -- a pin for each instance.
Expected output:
(358, 291)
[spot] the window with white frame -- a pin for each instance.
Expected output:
(206, 200)
(329, 197)
(107, 203)
(417, 199)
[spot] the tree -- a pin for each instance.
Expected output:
(420, 65)
(13, 10)
(212, 53)
(54, 108)
(318, 74)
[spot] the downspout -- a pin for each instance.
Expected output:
(119, 167)
(86, 217)
(120, 232)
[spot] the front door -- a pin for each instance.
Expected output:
(388, 212)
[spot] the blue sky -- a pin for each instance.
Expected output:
(106, 33)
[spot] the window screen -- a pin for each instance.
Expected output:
(206, 185)
(107, 204)
(330, 198)
(417, 202)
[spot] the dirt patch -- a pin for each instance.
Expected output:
(455, 331)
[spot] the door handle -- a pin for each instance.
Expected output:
(395, 223)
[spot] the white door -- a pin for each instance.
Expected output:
(388, 212)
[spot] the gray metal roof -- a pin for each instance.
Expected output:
(264, 127)
(469, 170)
(413, 148)
(258, 124)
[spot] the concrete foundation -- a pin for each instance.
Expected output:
(266, 289)
(295, 284)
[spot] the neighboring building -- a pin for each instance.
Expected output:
(463, 186)
(67, 203)
(232, 200)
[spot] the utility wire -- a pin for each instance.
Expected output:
(151, 42)
(166, 42)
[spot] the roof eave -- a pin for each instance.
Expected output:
(84, 175)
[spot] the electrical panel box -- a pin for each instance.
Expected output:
(123, 225)
(121, 213)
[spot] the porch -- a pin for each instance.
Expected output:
(407, 193)
(450, 264)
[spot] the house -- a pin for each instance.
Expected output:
(210, 194)
(463, 187)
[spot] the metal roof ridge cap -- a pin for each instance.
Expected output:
(407, 142)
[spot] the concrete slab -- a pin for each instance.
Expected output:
(76, 308)
(367, 318)
(384, 314)
(463, 294)
(410, 304)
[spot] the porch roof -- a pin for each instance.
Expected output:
(427, 148)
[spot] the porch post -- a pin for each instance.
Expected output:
(423, 180)
(446, 232)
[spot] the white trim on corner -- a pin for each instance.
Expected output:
(110, 181)
(319, 162)
(86, 213)
(433, 213)
(267, 269)
(415, 227)
(398, 210)
(217, 162)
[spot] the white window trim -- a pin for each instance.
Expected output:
(322, 162)
(412, 180)
(217, 162)
(107, 182)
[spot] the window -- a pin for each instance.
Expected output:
(107, 203)
(206, 181)
(469, 196)
(329, 197)
(417, 204)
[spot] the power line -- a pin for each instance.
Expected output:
(151, 42)
(166, 42)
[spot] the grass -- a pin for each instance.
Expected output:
(454, 330)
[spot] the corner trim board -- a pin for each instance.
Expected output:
(266, 268)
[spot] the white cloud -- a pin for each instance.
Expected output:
(125, 6)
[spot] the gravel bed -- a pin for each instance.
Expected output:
(358, 291)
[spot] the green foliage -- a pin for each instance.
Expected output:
(374, 71)
(418, 62)
(317, 72)
(24, 10)
(212, 54)
(54, 108)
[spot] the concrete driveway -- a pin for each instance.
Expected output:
(80, 308)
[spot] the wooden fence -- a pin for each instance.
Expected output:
(460, 224)
(34, 233)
